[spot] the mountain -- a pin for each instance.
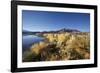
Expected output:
(57, 31)
(68, 30)
(26, 30)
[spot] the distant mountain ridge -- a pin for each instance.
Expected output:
(68, 30)
(57, 31)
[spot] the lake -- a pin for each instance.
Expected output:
(29, 40)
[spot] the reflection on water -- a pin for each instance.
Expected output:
(28, 40)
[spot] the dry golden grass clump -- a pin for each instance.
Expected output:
(61, 46)
(38, 47)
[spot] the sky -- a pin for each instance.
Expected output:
(49, 21)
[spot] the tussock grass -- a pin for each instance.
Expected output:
(62, 46)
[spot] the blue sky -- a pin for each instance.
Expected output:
(48, 21)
